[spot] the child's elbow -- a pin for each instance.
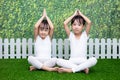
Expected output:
(35, 28)
(64, 24)
(89, 22)
(52, 28)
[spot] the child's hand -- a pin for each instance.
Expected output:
(79, 13)
(76, 13)
(44, 12)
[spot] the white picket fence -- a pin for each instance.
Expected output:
(22, 48)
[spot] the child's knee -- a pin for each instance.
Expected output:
(30, 58)
(93, 60)
(59, 61)
(54, 60)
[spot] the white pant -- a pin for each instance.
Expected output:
(77, 64)
(38, 62)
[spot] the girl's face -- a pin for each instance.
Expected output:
(77, 27)
(43, 32)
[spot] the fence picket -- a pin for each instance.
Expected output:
(114, 54)
(12, 48)
(97, 49)
(102, 48)
(54, 47)
(66, 49)
(30, 46)
(119, 49)
(6, 43)
(1, 51)
(18, 52)
(108, 48)
(24, 48)
(90, 43)
(60, 48)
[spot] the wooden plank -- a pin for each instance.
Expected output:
(60, 48)
(54, 48)
(12, 48)
(6, 43)
(103, 48)
(114, 54)
(30, 48)
(1, 51)
(119, 49)
(66, 49)
(18, 48)
(97, 49)
(108, 49)
(24, 48)
(90, 45)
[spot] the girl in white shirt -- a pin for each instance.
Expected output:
(78, 45)
(43, 32)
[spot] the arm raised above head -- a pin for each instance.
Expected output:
(50, 24)
(37, 25)
(88, 21)
(67, 21)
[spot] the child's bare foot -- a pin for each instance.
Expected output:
(54, 69)
(61, 70)
(32, 68)
(86, 70)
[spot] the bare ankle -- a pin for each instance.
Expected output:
(53, 69)
(61, 70)
(32, 68)
(49, 68)
(86, 70)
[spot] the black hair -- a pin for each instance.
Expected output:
(44, 24)
(78, 17)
